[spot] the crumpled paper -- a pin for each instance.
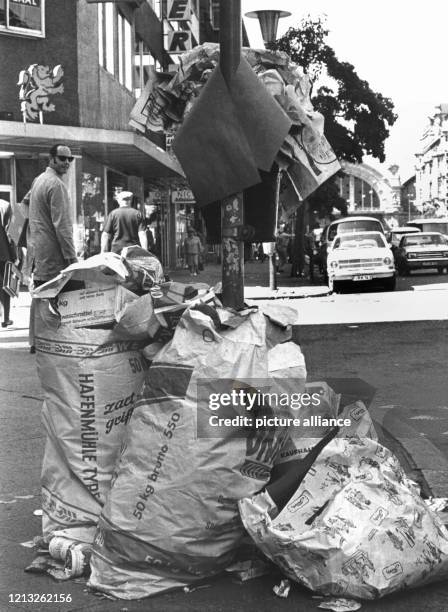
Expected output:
(305, 153)
(355, 527)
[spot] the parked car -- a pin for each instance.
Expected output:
(428, 224)
(361, 256)
(345, 225)
(422, 250)
(395, 235)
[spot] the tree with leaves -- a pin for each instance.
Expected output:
(357, 119)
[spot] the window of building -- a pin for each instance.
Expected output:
(23, 17)
(144, 62)
(109, 30)
(214, 14)
(115, 51)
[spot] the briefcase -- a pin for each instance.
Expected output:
(12, 279)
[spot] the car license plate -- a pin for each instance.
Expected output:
(429, 263)
(362, 277)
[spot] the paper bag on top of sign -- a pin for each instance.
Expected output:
(355, 527)
(176, 460)
(223, 127)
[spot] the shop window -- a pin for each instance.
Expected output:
(144, 62)
(26, 171)
(5, 171)
(22, 17)
(93, 206)
(116, 182)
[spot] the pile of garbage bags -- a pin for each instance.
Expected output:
(152, 476)
(91, 366)
(172, 514)
(355, 526)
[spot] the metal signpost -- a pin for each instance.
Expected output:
(232, 211)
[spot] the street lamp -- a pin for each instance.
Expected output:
(268, 20)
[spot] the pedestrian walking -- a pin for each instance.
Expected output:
(310, 251)
(261, 256)
(282, 244)
(50, 223)
(7, 253)
(192, 250)
(125, 226)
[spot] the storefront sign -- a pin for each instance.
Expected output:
(179, 41)
(28, 2)
(22, 16)
(179, 10)
(182, 196)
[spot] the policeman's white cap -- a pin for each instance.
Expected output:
(124, 195)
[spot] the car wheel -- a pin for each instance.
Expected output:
(440, 270)
(404, 270)
(337, 285)
(390, 283)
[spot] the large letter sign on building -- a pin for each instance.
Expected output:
(179, 41)
(179, 10)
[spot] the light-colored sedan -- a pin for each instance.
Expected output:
(361, 257)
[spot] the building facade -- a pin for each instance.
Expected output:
(365, 189)
(74, 70)
(431, 177)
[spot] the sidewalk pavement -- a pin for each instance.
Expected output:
(256, 281)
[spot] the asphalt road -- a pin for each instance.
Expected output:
(417, 278)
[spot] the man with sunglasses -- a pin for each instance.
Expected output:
(51, 218)
(51, 221)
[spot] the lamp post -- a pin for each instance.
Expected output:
(268, 20)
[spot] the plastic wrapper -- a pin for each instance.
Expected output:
(145, 269)
(355, 527)
(172, 515)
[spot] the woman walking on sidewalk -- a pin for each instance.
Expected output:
(192, 250)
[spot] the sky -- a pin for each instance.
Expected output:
(399, 48)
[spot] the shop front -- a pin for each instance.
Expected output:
(105, 162)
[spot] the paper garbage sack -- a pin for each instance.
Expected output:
(98, 271)
(319, 402)
(355, 527)
(172, 517)
(93, 307)
(91, 379)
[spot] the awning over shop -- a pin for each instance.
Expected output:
(124, 151)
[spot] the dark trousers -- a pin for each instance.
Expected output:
(5, 299)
